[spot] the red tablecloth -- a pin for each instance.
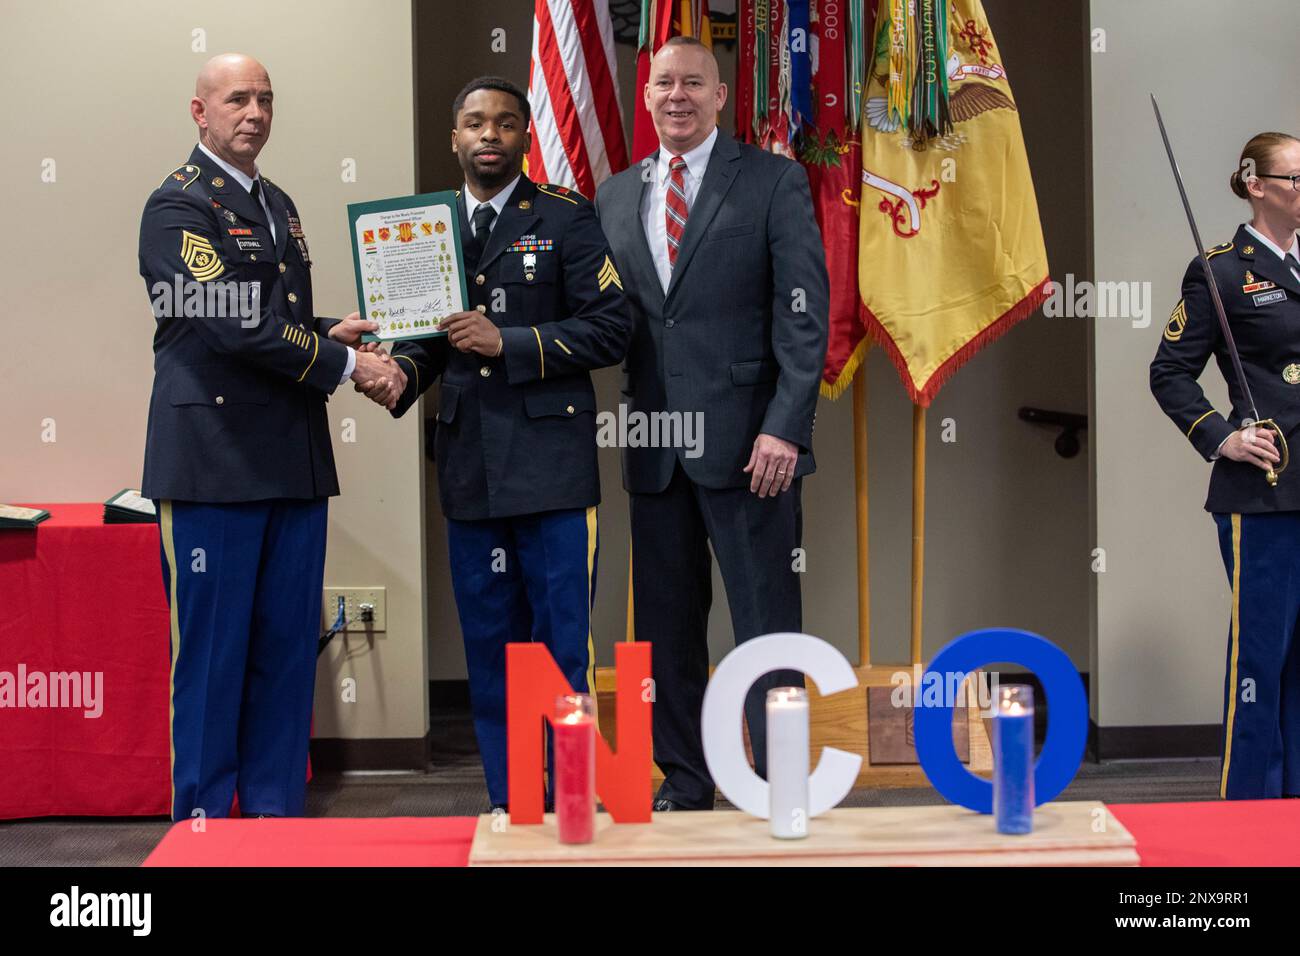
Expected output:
(82, 596)
(1221, 833)
(1214, 833)
(384, 841)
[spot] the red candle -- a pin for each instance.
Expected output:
(575, 769)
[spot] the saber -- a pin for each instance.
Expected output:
(1271, 474)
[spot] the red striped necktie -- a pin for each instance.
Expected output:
(676, 211)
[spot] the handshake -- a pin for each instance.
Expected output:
(380, 378)
(376, 374)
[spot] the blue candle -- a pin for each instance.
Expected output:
(1013, 759)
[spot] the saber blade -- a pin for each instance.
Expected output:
(1205, 265)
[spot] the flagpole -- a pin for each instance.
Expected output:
(860, 487)
(631, 628)
(918, 525)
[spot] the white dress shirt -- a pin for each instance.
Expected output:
(653, 206)
(497, 202)
(246, 184)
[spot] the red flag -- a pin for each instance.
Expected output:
(834, 175)
(660, 20)
(577, 124)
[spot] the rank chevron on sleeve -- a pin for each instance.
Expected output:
(199, 257)
(608, 275)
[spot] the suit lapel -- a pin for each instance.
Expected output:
(640, 242)
(721, 173)
(511, 223)
(1262, 261)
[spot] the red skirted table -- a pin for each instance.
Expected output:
(1214, 833)
(378, 841)
(1220, 833)
(83, 598)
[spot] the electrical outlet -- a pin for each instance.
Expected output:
(353, 599)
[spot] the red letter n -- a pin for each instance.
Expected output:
(533, 681)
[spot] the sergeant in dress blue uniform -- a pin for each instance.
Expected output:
(237, 454)
(516, 433)
(1258, 278)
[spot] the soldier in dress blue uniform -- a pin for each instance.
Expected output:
(238, 455)
(1258, 278)
(516, 434)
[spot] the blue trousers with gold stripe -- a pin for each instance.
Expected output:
(244, 586)
(1261, 710)
(519, 579)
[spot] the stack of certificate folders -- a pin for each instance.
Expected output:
(16, 516)
(127, 507)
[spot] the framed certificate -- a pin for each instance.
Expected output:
(406, 253)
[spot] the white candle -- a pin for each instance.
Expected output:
(787, 761)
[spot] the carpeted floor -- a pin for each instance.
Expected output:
(453, 786)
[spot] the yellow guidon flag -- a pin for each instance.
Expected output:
(951, 250)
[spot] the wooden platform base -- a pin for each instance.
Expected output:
(1081, 833)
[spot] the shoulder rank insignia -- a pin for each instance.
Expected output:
(608, 275)
(1224, 247)
(182, 174)
(559, 192)
(199, 257)
(1177, 322)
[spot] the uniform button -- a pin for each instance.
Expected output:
(253, 257)
(281, 267)
(293, 297)
(485, 371)
(481, 308)
(569, 409)
(669, 323)
(480, 279)
(221, 400)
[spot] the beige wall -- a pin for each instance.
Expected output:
(1161, 608)
(103, 90)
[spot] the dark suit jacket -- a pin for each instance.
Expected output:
(1261, 299)
(741, 334)
(237, 412)
(517, 434)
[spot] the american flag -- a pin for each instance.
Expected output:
(577, 123)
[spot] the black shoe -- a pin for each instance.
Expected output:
(499, 808)
(663, 806)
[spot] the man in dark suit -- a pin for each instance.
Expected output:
(238, 454)
(725, 272)
(516, 436)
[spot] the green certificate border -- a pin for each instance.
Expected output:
(358, 209)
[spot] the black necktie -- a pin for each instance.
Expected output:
(255, 193)
(484, 215)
